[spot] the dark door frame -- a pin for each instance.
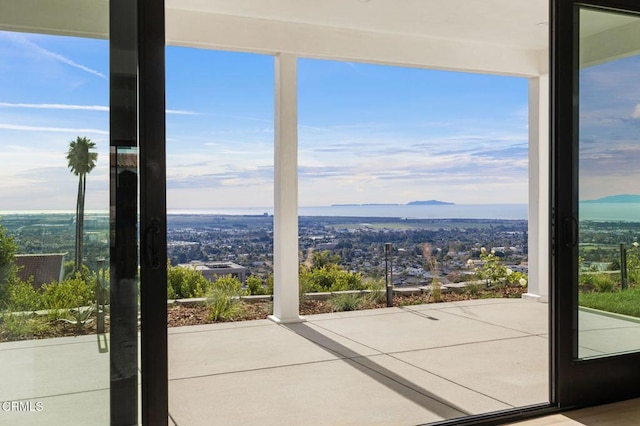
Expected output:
(153, 212)
(137, 120)
(574, 382)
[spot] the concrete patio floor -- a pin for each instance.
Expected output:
(395, 366)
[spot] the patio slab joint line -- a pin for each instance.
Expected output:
(344, 337)
(461, 344)
(450, 381)
(492, 324)
(251, 370)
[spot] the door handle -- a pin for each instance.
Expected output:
(150, 244)
(570, 231)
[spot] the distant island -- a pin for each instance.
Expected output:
(616, 199)
(430, 203)
(366, 204)
(412, 203)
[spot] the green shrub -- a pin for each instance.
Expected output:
(314, 280)
(254, 285)
(436, 291)
(346, 302)
(493, 271)
(472, 289)
(80, 317)
(496, 274)
(8, 250)
(603, 283)
(330, 278)
(324, 258)
(68, 293)
(223, 300)
(21, 296)
(633, 276)
(585, 281)
(304, 287)
(185, 283)
(269, 284)
(21, 326)
(377, 293)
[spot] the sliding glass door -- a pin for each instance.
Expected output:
(82, 229)
(138, 158)
(596, 206)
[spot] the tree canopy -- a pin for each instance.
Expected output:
(80, 159)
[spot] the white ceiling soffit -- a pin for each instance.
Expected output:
(488, 36)
(82, 18)
(607, 36)
(511, 23)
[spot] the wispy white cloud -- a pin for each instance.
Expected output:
(244, 117)
(56, 106)
(51, 129)
(19, 38)
(181, 112)
(81, 107)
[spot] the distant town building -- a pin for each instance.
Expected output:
(44, 268)
(326, 246)
(213, 270)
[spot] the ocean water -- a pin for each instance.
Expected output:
(610, 212)
(607, 212)
(457, 211)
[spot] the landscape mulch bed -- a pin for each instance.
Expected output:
(179, 315)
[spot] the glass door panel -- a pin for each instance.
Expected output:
(69, 218)
(609, 208)
(56, 315)
(595, 221)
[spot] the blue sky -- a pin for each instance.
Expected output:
(609, 129)
(368, 133)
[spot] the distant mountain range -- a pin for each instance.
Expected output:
(412, 203)
(621, 198)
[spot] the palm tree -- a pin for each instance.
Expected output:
(81, 161)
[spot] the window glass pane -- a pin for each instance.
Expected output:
(609, 151)
(54, 287)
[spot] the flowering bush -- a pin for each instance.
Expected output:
(497, 274)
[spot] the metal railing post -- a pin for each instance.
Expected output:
(388, 272)
(623, 266)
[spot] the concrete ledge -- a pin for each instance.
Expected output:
(458, 287)
(255, 298)
(407, 291)
(337, 293)
(325, 295)
(191, 302)
(430, 288)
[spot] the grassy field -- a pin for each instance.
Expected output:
(625, 302)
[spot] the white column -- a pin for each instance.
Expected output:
(285, 218)
(538, 188)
